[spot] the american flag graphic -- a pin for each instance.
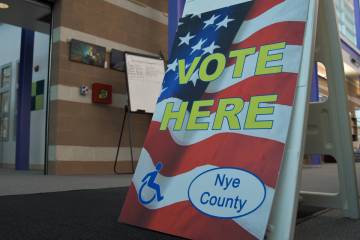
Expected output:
(186, 154)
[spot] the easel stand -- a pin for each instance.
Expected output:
(320, 128)
(126, 114)
(126, 119)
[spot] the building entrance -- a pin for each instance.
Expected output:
(24, 70)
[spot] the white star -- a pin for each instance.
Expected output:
(210, 49)
(196, 15)
(224, 23)
(210, 21)
(163, 90)
(172, 66)
(198, 46)
(195, 77)
(186, 39)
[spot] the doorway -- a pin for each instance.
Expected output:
(25, 28)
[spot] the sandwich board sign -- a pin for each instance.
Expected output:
(237, 81)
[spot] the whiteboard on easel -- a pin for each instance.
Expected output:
(144, 78)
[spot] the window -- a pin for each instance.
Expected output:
(5, 76)
(346, 19)
(5, 81)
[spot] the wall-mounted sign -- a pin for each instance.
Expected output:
(87, 53)
(211, 159)
(117, 60)
(101, 93)
(37, 95)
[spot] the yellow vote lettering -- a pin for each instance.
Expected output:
(184, 76)
(220, 66)
(267, 63)
(228, 109)
(240, 56)
(195, 114)
(265, 57)
(255, 110)
(237, 105)
(176, 115)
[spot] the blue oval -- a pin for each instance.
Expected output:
(240, 192)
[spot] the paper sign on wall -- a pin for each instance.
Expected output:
(210, 163)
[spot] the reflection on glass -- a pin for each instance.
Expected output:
(346, 19)
(5, 77)
(4, 128)
(4, 102)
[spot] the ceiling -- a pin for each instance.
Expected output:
(30, 14)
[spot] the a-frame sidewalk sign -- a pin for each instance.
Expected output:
(317, 128)
(223, 155)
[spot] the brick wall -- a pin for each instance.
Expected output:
(84, 136)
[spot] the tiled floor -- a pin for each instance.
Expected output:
(323, 178)
(328, 225)
(13, 183)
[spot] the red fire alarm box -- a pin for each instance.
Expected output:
(101, 93)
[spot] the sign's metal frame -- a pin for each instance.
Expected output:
(328, 131)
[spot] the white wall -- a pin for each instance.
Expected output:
(10, 53)
(38, 118)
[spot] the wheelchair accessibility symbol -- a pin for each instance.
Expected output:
(150, 190)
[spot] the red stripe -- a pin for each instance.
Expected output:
(262, 6)
(290, 32)
(282, 84)
(180, 219)
(257, 155)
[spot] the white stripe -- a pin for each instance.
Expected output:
(65, 34)
(201, 6)
(171, 186)
(175, 189)
(72, 94)
(141, 9)
(256, 223)
(280, 118)
(90, 154)
(290, 62)
(290, 10)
